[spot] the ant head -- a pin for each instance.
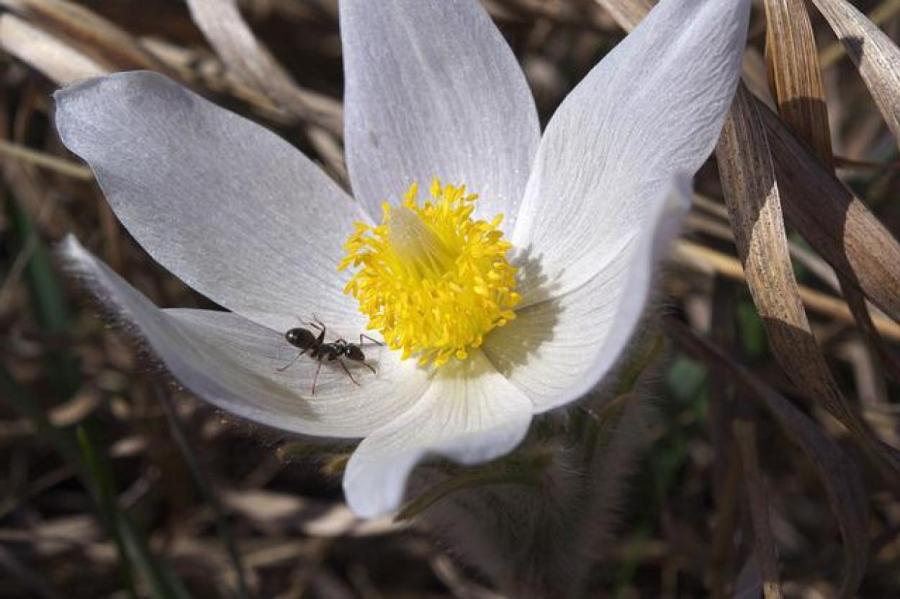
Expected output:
(354, 353)
(301, 338)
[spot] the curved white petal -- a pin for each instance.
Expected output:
(558, 349)
(229, 207)
(653, 107)
(470, 414)
(433, 90)
(233, 363)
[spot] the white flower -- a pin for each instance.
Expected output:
(432, 91)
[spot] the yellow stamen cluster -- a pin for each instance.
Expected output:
(431, 279)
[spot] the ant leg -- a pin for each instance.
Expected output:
(317, 321)
(314, 323)
(316, 377)
(364, 336)
(369, 366)
(291, 363)
(347, 370)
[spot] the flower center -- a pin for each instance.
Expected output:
(431, 279)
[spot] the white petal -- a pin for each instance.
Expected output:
(470, 414)
(433, 90)
(229, 207)
(653, 107)
(557, 350)
(232, 363)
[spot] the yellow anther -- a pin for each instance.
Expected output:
(431, 279)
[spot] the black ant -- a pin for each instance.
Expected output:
(306, 340)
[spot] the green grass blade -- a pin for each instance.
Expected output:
(135, 551)
(49, 304)
(101, 488)
(205, 486)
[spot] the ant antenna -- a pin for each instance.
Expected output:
(364, 336)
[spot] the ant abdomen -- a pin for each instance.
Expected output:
(300, 338)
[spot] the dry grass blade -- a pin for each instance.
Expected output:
(878, 15)
(794, 73)
(105, 42)
(754, 204)
(225, 28)
(626, 13)
(838, 472)
(753, 200)
(752, 196)
(47, 161)
(704, 259)
(874, 53)
(801, 102)
(797, 84)
(56, 60)
(763, 541)
(834, 221)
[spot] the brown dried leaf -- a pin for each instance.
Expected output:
(797, 84)
(794, 72)
(837, 471)
(754, 205)
(226, 30)
(879, 15)
(752, 196)
(753, 199)
(835, 222)
(44, 52)
(874, 53)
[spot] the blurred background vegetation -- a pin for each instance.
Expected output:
(114, 482)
